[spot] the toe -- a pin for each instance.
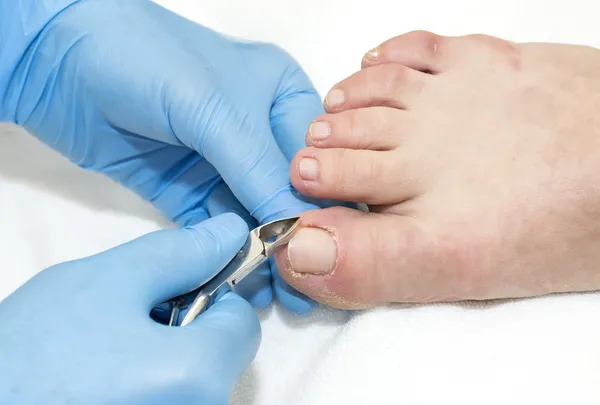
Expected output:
(290, 298)
(372, 128)
(390, 85)
(351, 259)
(428, 52)
(352, 175)
(419, 50)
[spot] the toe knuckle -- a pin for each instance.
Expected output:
(367, 126)
(370, 173)
(360, 84)
(351, 125)
(394, 77)
(428, 41)
(334, 175)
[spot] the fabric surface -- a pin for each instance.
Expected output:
(536, 351)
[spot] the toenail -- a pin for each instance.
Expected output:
(319, 131)
(373, 54)
(308, 168)
(335, 98)
(312, 250)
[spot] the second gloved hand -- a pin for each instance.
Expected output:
(80, 332)
(190, 120)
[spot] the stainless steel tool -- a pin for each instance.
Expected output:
(261, 244)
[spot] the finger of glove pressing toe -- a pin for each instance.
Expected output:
(296, 106)
(256, 287)
(242, 149)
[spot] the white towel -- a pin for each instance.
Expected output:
(539, 351)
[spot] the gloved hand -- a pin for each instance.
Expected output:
(168, 108)
(80, 332)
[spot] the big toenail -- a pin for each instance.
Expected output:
(373, 54)
(313, 251)
(308, 168)
(335, 98)
(319, 131)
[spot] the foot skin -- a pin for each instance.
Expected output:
(480, 162)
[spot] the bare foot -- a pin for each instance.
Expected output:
(480, 161)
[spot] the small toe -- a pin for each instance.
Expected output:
(389, 85)
(431, 53)
(418, 50)
(372, 128)
(363, 176)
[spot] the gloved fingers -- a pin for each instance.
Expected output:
(226, 337)
(242, 149)
(164, 264)
(296, 106)
(256, 287)
(175, 179)
(221, 200)
(184, 185)
(254, 169)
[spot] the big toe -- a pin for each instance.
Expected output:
(351, 260)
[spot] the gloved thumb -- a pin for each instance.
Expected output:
(164, 264)
(350, 259)
(232, 329)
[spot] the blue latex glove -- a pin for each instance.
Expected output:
(80, 332)
(170, 109)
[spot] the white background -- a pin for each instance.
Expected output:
(543, 351)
